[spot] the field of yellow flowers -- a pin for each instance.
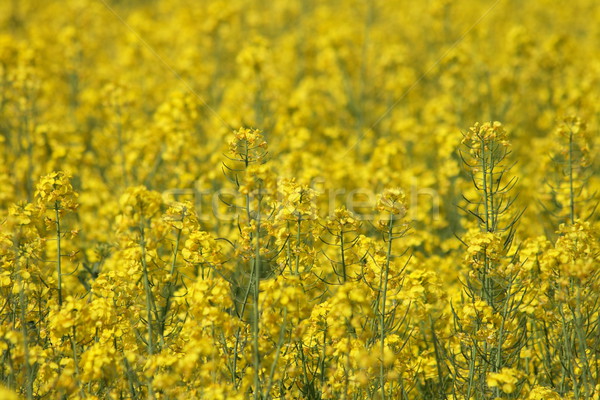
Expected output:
(307, 199)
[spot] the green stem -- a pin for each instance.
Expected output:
(277, 354)
(148, 291)
(471, 378)
(485, 188)
(58, 251)
(501, 333)
(343, 255)
(569, 358)
(28, 368)
(298, 232)
(170, 289)
(383, 300)
(571, 184)
(73, 339)
(256, 319)
(577, 317)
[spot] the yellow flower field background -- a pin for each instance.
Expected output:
(299, 199)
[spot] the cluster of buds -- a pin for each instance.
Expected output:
(393, 203)
(571, 125)
(486, 132)
(342, 220)
(573, 129)
(202, 248)
(248, 146)
(137, 205)
(181, 215)
(483, 247)
(489, 137)
(55, 190)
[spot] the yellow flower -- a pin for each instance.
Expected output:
(543, 393)
(99, 361)
(201, 247)
(483, 247)
(507, 379)
(22, 212)
(392, 201)
(247, 145)
(342, 220)
(180, 215)
(138, 204)
(298, 202)
(485, 135)
(55, 190)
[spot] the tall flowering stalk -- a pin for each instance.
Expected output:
(298, 207)
(247, 153)
(24, 251)
(182, 218)
(342, 228)
(392, 203)
(55, 192)
(573, 295)
(490, 325)
(139, 205)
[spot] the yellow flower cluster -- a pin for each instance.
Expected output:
(298, 202)
(392, 201)
(486, 133)
(201, 247)
(506, 379)
(56, 190)
(247, 145)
